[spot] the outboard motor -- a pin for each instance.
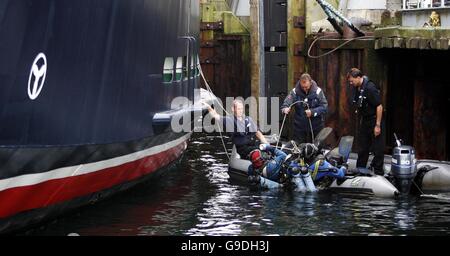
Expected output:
(403, 166)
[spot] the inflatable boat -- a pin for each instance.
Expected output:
(403, 173)
(367, 185)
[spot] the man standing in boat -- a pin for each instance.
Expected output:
(242, 128)
(310, 109)
(369, 109)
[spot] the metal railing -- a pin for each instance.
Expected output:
(424, 4)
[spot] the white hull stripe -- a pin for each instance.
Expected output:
(65, 172)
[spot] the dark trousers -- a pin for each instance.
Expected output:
(305, 136)
(367, 143)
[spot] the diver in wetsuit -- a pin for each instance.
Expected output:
(268, 167)
(312, 160)
(272, 167)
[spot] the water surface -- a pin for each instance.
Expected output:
(198, 198)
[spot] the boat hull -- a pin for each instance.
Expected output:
(82, 183)
(435, 180)
(82, 87)
(375, 185)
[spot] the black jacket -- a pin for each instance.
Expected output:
(317, 104)
(367, 99)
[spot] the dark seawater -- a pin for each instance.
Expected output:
(197, 198)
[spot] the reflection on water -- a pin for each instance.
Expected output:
(197, 198)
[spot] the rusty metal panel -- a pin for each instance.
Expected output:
(330, 84)
(330, 74)
(299, 21)
(206, 54)
(211, 25)
(208, 72)
(229, 72)
(415, 93)
(418, 101)
(399, 120)
(429, 121)
(299, 49)
(207, 43)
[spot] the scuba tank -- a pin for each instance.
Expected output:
(269, 184)
(296, 177)
(301, 177)
(309, 184)
(298, 181)
(261, 182)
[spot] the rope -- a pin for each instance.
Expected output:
(211, 92)
(215, 98)
(335, 49)
(420, 190)
(284, 119)
(281, 130)
(312, 131)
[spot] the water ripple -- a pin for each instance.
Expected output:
(199, 199)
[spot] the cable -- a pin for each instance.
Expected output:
(284, 119)
(420, 190)
(215, 98)
(211, 92)
(335, 49)
(310, 124)
(281, 130)
(312, 131)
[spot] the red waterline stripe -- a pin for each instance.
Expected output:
(47, 193)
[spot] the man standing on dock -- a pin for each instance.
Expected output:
(311, 107)
(243, 129)
(370, 112)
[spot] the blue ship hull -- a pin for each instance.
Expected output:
(80, 85)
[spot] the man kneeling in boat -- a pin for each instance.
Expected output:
(242, 128)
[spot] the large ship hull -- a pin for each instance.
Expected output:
(81, 83)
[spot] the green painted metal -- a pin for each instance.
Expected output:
(232, 25)
(219, 11)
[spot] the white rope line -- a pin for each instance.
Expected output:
(215, 98)
(284, 119)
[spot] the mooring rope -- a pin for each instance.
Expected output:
(221, 106)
